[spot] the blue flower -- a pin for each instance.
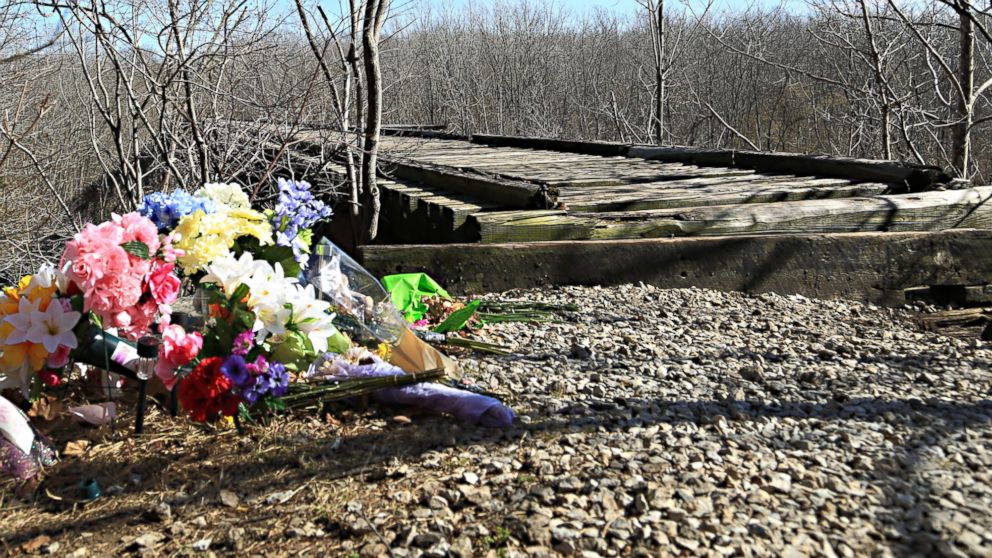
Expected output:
(165, 210)
(278, 379)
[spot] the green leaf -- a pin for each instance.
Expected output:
(137, 249)
(239, 293)
(76, 301)
(458, 318)
(274, 254)
(243, 320)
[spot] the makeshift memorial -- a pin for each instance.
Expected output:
(275, 331)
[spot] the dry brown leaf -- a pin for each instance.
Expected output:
(46, 408)
(35, 544)
(76, 448)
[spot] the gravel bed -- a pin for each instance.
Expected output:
(652, 423)
(704, 423)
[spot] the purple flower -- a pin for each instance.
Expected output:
(278, 379)
(272, 380)
(243, 343)
(297, 211)
(236, 370)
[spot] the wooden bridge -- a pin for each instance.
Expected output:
(496, 212)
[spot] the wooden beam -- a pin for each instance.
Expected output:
(913, 177)
(587, 147)
(875, 267)
(505, 193)
(608, 199)
(926, 211)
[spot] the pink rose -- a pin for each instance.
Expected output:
(107, 232)
(163, 283)
(138, 322)
(178, 349)
(138, 228)
(115, 259)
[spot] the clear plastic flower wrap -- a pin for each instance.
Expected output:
(366, 310)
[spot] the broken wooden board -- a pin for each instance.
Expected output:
(926, 211)
(505, 193)
(421, 214)
(874, 267)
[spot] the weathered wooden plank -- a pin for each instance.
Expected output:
(505, 193)
(619, 181)
(423, 214)
(875, 267)
(588, 147)
(911, 212)
(915, 177)
(720, 195)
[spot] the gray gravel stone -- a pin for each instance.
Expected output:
(704, 423)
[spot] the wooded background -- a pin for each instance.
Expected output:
(102, 101)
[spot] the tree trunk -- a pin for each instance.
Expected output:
(962, 128)
(657, 22)
(375, 16)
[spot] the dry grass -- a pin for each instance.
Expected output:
(321, 466)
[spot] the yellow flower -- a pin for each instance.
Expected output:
(30, 356)
(207, 237)
(35, 292)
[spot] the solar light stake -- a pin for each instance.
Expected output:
(148, 355)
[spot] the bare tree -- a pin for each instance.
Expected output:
(368, 18)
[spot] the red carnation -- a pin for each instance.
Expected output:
(206, 392)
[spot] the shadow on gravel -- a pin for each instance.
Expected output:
(913, 521)
(918, 518)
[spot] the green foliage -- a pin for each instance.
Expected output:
(282, 255)
(458, 318)
(137, 249)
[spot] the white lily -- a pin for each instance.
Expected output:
(22, 321)
(229, 273)
(319, 330)
(53, 327)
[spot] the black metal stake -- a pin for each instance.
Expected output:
(148, 354)
(139, 418)
(174, 400)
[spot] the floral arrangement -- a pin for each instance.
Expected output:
(124, 271)
(118, 276)
(35, 330)
(263, 326)
(165, 210)
(293, 216)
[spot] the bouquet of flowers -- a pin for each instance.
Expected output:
(264, 328)
(217, 221)
(115, 282)
(36, 330)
